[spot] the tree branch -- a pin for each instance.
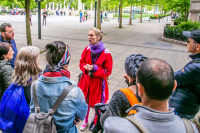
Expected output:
(22, 4)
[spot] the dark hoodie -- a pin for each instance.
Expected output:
(5, 76)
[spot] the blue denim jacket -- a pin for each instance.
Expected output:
(48, 89)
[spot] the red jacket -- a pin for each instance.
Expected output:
(93, 86)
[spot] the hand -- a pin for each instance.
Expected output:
(86, 67)
(77, 121)
(90, 67)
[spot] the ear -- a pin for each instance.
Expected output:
(197, 47)
(140, 89)
(175, 85)
(4, 56)
(3, 34)
(98, 38)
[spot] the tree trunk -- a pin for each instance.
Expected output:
(28, 28)
(120, 17)
(106, 5)
(98, 14)
(116, 10)
(141, 12)
(130, 20)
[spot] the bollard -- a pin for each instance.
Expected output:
(149, 19)
(159, 19)
(167, 19)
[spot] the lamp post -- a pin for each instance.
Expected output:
(39, 18)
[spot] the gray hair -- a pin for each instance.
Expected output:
(3, 27)
(98, 33)
(26, 66)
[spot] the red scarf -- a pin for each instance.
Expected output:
(58, 74)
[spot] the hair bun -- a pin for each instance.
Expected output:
(52, 47)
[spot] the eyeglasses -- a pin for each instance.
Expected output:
(10, 31)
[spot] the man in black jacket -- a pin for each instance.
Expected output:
(186, 98)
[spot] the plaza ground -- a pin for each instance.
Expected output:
(143, 38)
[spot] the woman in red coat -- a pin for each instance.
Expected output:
(96, 64)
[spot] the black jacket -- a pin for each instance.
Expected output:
(186, 98)
(5, 76)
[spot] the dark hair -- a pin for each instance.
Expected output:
(3, 27)
(4, 48)
(54, 52)
(157, 78)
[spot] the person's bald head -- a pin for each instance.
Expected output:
(157, 78)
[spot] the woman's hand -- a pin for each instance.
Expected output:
(88, 67)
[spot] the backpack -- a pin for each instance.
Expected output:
(100, 109)
(40, 122)
(132, 119)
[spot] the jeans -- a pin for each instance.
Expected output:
(44, 19)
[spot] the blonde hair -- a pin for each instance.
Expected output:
(26, 66)
(98, 33)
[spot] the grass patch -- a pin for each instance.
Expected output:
(127, 15)
(104, 34)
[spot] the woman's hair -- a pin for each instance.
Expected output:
(26, 66)
(98, 33)
(4, 48)
(54, 52)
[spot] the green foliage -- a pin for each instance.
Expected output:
(175, 32)
(178, 21)
(153, 17)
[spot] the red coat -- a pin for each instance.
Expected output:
(93, 86)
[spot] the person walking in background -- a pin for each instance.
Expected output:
(30, 16)
(14, 109)
(106, 15)
(101, 16)
(7, 35)
(52, 83)
(44, 14)
(86, 14)
(155, 82)
(6, 54)
(119, 102)
(96, 64)
(81, 14)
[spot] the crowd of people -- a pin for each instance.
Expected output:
(156, 99)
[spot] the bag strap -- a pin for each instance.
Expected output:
(131, 97)
(188, 126)
(133, 120)
(35, 100)
(61, 97)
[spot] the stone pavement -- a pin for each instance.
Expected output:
(121, 42)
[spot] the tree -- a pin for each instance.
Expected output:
(98, 14)
(120, 15)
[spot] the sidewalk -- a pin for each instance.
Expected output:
(143, 38)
